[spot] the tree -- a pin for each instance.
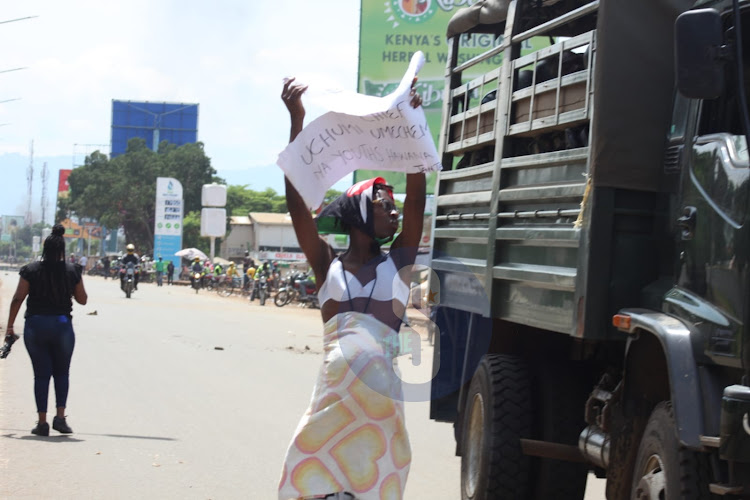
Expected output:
(122, 191)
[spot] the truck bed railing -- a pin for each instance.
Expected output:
(557, 22)
(515, 143)
(553, 103)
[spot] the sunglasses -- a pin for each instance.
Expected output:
(386, 204)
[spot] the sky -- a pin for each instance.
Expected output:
(228, 56)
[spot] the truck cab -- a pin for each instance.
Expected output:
(591, 253)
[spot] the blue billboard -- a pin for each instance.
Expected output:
(154, 122)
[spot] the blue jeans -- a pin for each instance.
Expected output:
(159, 275)
(49, 341)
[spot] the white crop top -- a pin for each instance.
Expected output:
(388, 284)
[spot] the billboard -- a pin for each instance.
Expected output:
(391, 31)
(168, 220)
(62, 183)
(154, 122)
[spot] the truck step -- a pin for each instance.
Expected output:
(710, 441)
(725, 489)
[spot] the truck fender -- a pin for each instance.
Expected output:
(684, 385)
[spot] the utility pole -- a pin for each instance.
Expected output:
(45, 178)
(29, 182)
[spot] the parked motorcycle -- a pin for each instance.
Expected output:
(260, 288)
(292, 288)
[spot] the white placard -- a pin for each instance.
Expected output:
(360, 132)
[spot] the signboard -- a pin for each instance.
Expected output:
(294, 256)
(213, 222)
(154, 122)
(168, 220)
(391, 31)
(11, 223)
(62, 183)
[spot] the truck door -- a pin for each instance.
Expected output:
(713, 241)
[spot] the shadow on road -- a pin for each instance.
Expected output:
(60, 439)
(53, 439)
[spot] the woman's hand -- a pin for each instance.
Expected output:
(416, 99)
(292, 97)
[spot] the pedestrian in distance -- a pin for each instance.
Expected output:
(357, 401)
(160, 266)
(170, 272)
(50, 285)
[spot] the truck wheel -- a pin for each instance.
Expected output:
(663, 468)
(561, 392)
(497, 415)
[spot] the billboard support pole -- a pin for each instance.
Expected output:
(213, 248)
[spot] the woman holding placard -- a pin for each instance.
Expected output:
(351, 442)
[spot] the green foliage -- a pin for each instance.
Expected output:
(241, 200)
(191, 232)
(122, 191)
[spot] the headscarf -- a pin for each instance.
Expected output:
(352, 209)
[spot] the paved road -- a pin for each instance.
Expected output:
(178, 395)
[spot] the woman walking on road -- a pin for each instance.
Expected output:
(352, 442)
(48, 330)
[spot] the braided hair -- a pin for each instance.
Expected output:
(55, 285)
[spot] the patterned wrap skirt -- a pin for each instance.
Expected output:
(352, 437)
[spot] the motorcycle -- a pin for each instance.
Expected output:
(260, 288)
(127, 278)
(292, 290)
(196, 280)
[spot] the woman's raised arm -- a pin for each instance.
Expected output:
(413, 213)
(318, 252)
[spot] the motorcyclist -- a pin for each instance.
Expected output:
(306, 279)
(247, 262)
(129, 257)
(233, 274)
(218, 269)
(196, 268)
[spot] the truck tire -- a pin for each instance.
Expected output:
(663, 468)
(497, 414)
(561, 392)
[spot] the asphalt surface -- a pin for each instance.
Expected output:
(182, 395)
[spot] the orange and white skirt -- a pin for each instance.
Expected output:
(352, 438)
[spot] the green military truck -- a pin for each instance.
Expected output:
(591, 250)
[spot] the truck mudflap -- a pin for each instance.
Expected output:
(675, 339)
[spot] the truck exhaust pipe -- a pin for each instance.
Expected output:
(594, 445)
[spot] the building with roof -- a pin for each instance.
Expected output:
(267, 236)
